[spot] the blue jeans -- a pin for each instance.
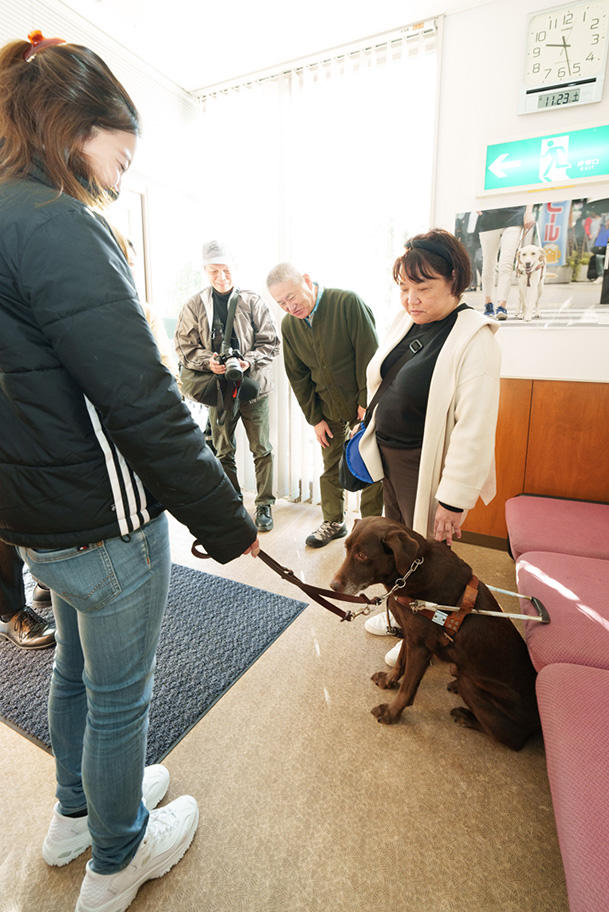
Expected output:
(108, 601)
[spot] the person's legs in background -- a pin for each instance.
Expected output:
(401, 468)
(255, 417)
(371, 500)
(20, 624)
(223, 438)
(509, 245)
(489, 244)
(332, 495)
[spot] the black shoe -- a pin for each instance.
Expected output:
(28, 630)
(263, 518)
(42, 597)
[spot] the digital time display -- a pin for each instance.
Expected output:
(553, 99)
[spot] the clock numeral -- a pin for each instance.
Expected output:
(541, 36)
(595, 23)
(596, 38)
(536, 68)
(576, 67)
(548, 71)
(553, 23)
(567, 19)
(536, 51)
(561, 73)
(590, 57)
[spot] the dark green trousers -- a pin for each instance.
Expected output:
(332, 495)
(255, 418)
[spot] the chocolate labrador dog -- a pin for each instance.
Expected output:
(493, 672)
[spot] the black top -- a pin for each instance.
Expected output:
(220, 302)
(491, 219)
(400, 415)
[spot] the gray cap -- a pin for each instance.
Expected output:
(216, 252)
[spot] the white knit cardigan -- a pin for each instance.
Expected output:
(458, 451)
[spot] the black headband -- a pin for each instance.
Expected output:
(430, 247)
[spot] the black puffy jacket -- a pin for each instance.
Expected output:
(94, 437)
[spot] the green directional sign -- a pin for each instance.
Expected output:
(552, 159)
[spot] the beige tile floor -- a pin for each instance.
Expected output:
(307, 804)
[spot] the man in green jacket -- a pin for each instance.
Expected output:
(328, 340)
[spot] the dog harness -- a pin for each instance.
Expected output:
(451, 621)
(529, 272)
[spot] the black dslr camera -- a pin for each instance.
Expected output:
(231, 357)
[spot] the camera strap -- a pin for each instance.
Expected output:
(227, 393)
(230, 316)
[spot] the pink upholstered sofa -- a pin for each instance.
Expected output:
(561, 548)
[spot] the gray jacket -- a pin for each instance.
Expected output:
(254, 328)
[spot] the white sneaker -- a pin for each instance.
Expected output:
(378, 624)
(69, 837)
(168, 835)
(391, 657)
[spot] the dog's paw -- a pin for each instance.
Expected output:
(465, 717)
(452, 686)
(383, 715)
(384, 680)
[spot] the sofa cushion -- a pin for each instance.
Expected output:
(575, 590)
(551, 524)
(574, 709)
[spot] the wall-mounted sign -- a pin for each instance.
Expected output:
(554, 159)
(566, 56)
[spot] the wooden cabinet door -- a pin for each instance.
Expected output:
(568, 451)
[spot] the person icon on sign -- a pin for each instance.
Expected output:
(554, 161)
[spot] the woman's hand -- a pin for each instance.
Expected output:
(447, 525)
(254, 548)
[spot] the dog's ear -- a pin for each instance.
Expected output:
(404, 547)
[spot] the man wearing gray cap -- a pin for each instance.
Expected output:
(200, 344)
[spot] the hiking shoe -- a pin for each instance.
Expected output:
(28, 630)
(263, 519)
(69, 837)
(502, 313)
(378, 624)
(41, 597)
(488, 310)
(168, 835)
(326, 533)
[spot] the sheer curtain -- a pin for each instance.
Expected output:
(327, 165)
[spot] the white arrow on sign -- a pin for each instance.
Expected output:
(500, 165)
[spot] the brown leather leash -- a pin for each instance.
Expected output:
(315, 592)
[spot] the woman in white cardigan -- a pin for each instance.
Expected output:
(431, 436)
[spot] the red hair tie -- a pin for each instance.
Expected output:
(38, 42)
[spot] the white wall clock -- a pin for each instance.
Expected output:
(566, 56)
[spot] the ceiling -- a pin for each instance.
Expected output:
(202, 43)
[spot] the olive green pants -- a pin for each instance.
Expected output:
(255, 418)
(332, 495)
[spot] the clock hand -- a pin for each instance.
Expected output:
(565, 46)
